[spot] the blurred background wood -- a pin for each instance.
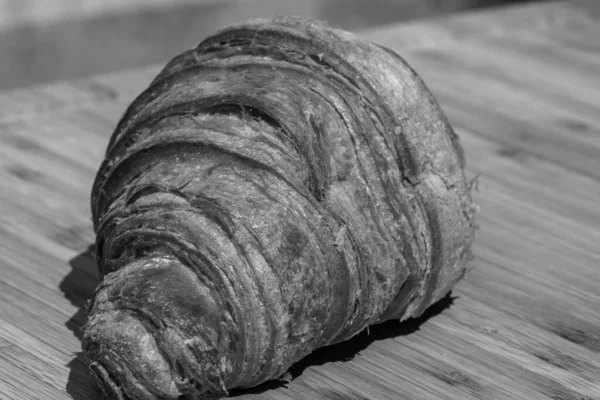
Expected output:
(43, 40)
(521, 87)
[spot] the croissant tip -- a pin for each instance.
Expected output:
(125, 359)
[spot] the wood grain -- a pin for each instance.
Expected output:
(15, 12)
(520, 87)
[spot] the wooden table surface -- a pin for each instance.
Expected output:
(522, 88)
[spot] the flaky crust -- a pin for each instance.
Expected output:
(277, 189)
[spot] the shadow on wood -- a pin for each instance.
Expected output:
(79, 285)
(346, 351)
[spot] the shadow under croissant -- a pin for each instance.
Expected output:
(346, 351)
(78, 287)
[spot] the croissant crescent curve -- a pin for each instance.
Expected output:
(276, 189)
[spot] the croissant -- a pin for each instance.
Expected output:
(277, 189)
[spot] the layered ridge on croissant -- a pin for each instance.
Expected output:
(276, 189)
